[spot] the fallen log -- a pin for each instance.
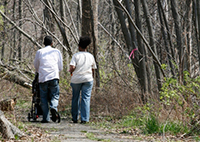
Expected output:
(13, 77)
(7, 129)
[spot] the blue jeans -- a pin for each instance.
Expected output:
(49, 96)
(82, 106)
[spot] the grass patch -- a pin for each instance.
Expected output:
(174, 128)
(143, 124)
(91, 136)
(23, 104)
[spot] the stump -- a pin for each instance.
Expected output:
(8, 104)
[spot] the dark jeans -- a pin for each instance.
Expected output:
(49, 95)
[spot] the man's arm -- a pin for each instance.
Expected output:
(36, 62)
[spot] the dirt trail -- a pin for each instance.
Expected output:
(66, 131)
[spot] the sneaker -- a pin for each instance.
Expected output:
(75, 121)
(44, 121)
(83, 122)
(55, 115)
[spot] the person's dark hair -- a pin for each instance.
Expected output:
(84, 41)
(47, 40)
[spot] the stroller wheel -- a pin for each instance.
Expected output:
(29, 117)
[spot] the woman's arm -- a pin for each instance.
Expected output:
(93, 73)
(72, 68)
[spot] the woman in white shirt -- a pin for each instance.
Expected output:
(82, 68)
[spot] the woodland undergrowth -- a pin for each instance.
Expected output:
(117, 107)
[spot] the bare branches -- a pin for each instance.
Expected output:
(19, 29)
(141, 35)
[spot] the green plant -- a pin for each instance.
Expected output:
(184, 95)
(91, 136)
(152, 125)
(21, 125)
(16, 137)
(197, 138)
(173, 128)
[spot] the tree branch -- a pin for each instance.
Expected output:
(23, 32)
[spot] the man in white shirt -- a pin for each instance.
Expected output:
(48, 63)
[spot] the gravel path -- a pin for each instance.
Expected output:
(66, 131)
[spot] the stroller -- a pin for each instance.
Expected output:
(36, 109)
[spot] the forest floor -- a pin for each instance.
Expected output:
(67, 131)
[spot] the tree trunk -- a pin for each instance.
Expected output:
(20, 34)
(178, 37)
(95, 38)
(160, 11)
(188, 36)
(4, 32)
(127, 37)
(62, 14)
(141, 48)
(8, 130)
(152, 43)
(86, 27)
(13, 49)
(198, 28)
(90, 28)
(133, 39)
(79, 17)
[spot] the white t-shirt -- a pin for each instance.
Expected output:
(84, 63)
(48, 62)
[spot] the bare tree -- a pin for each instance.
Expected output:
(152, 43)
(198, 27)
(166, 37)
(179, 44)
(90, 28)
(4, 31)
(187, 27)
(20, 25)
